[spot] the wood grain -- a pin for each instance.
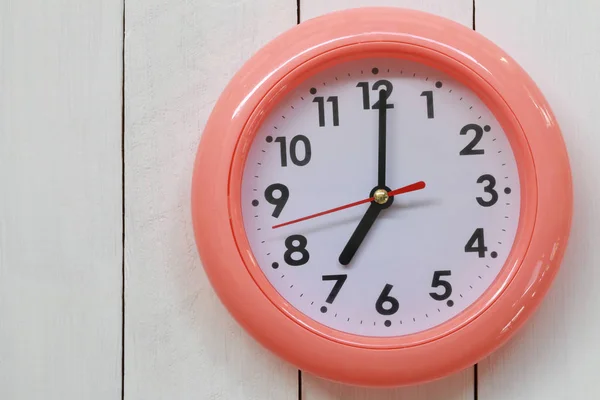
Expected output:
(180, 341)
(457, 10)
(458, 386)
(556, 356)
(60, 208)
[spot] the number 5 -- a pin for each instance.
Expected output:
(437, 282)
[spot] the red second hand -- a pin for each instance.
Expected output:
(406, 189)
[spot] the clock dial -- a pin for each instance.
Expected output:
(380, 197)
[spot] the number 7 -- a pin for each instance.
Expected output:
(340, 279)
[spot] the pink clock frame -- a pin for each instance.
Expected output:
(468, 57)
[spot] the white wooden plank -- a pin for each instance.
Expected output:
(556, 356)
(458, 386)
(458, 10)
(180, 341)
(60, 208)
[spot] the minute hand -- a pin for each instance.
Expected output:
(381, 159)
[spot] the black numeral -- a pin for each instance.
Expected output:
(334, 107)
(477, 238)
(489, 188)
(429, 95)
(293, 147)
(437, 282)
(391, 303)
(293, 248)
(278, 202)
(365, 93)
(339, 282)
(470, 148)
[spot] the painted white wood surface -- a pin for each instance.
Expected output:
(458, 386)
(60, 206)
(60, 210)
(180, 341)
(557, 355)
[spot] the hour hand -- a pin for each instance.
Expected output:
(360, 233)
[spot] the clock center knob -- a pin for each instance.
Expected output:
(381, 196)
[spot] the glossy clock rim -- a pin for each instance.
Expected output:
(404, 51)
(392, 366)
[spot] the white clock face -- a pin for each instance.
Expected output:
(382, 267)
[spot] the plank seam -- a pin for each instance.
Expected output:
(474, 15)
(123, 207)
(476, 366)
(299, 371)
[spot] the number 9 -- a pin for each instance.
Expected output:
(278, 202)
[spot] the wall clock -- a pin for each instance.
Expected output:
(381, 197)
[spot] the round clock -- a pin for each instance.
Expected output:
(381, 197)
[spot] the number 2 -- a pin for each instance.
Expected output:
(470, 148)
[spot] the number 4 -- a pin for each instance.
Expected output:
(480, 248)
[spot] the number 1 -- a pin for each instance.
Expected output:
(429, 95)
